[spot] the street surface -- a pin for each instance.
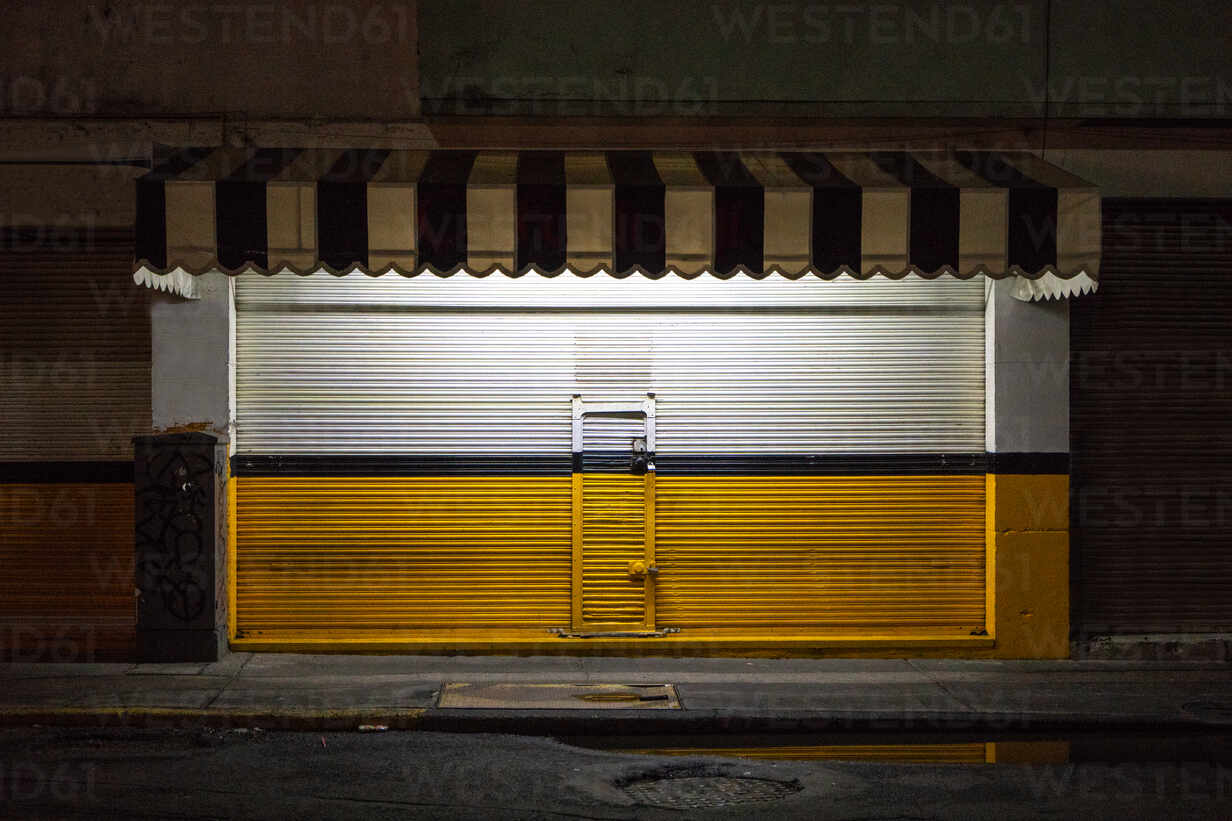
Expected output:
(244, 773)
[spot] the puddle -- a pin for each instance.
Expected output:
(1110, 747)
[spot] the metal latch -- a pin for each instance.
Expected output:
(638, 569)
(639, 461)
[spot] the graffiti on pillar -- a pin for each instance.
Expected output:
(174, 488)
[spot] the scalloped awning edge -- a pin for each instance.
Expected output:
(1052, 274)
(1049, 287)
(177, 281)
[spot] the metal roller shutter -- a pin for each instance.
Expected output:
(747, 374)
(402, 552)
(821, 551)
(76, 339)
(75, 389)
(1151, 464)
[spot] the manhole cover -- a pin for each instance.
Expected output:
(699, 791)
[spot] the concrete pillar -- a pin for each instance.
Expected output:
(181, 476)
(181, 546)
(1027, 439)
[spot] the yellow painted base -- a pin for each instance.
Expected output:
(1028, 542)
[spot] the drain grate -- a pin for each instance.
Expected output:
(702, 791)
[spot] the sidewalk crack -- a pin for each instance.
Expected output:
(230, 681)
(941, 686)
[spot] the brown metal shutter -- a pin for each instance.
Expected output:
(75, 388)
(1151, 387)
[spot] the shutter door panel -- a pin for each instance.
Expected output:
(743, 371)
(401, 553)
(613, 534)
(75, 389)
(613, 503)
(1151, 462)
(758, 552)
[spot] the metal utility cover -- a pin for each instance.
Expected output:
(467, 696)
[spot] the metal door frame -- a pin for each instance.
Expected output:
(645, 409)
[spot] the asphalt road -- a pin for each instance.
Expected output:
(196, 774)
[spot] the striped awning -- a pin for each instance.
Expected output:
(862, 214)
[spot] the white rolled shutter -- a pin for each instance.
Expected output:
(488, 366)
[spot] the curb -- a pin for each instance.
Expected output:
(584, 722)
(190, 718)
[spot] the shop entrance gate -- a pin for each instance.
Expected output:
(614, 568)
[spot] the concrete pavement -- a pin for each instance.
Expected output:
(286, 691)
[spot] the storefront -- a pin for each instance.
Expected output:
(707, 402)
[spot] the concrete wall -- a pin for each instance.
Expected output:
(1026, 373)
(349, 59)
(245, 59)
(1152, 173)
(46, 195)
(1028, 592)
(1145, 58)
(193, 359)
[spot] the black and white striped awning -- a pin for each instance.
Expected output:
(963, 213)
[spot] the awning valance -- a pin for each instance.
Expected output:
(863, 214)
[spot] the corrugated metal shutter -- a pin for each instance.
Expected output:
(66, 593)
(1151, 461)
(741, 369)
(613, 534)
(821, 551)
(75, 333)
(478, 366)
(402, 553)
(75, 389)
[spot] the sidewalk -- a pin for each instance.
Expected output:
(302, 692)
